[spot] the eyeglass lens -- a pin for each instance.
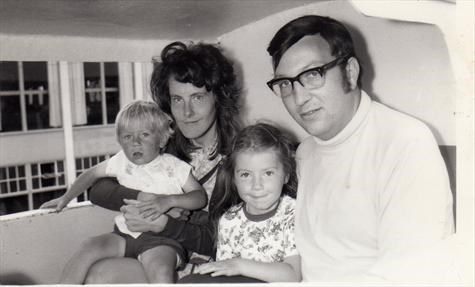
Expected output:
(313, 78)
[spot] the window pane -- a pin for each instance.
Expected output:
(3, 173)
(92, 75)
(36, 76)
(22, 185)
(3, 187)
(112, 101)
(37, 111)
(94, 108)
(34, 169)
(78, 163)
(47, 168)
(60, 165)
(13, 204)
(48, 181)
(87, 163)
(21, 171)
(111, 72)
(9, 76)
(36, 183)
(48, 176)
(10, 113)
(61, 180)
(13, 186)
(12, 172)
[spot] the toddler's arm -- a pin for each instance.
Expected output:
(81, 184)
(194, 196)
(286, 271)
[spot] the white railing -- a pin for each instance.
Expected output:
(35, 245)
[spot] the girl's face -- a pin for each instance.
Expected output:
(140, 143)
(194, 111)
(259, 177)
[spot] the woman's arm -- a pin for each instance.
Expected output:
(194, 237)
(108, 193)
(286, 271)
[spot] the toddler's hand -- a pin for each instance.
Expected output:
(58, 204)
(179, 213)
(130, 207)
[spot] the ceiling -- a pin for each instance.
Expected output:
(136, 19)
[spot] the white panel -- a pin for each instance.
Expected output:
(36, 247)
(138, 82)
(126, 83)
(147, 69)
(67, 122)
(78, 97)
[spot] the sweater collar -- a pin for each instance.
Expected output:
(353, 124)
(260, 217)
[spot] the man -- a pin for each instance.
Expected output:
(374, 200)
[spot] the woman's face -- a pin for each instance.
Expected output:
(194, 111)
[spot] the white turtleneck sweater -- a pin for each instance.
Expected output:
(374, 202)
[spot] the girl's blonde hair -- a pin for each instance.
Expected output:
(145, 112)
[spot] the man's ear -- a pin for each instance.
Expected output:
(352, 70)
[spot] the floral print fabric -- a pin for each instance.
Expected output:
(268, 240)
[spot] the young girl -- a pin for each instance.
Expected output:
(256, 233)
(142, 131)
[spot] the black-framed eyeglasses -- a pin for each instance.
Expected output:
(312, 78)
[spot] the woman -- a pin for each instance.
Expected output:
(197, 86)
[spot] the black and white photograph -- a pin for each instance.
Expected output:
(249, 142)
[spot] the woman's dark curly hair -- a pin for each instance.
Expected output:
(201, 65)
(258, 137)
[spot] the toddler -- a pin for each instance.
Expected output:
(142, 131)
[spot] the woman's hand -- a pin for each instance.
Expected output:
(135, 222)
(151, 206)
(58, 204)
(230, 267)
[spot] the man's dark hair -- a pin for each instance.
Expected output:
(332, 31)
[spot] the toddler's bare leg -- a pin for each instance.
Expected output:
(159, 264)
(92, 250)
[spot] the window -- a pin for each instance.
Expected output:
(24, 100)
(101, 82)
(26, 187)
(31, 99)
